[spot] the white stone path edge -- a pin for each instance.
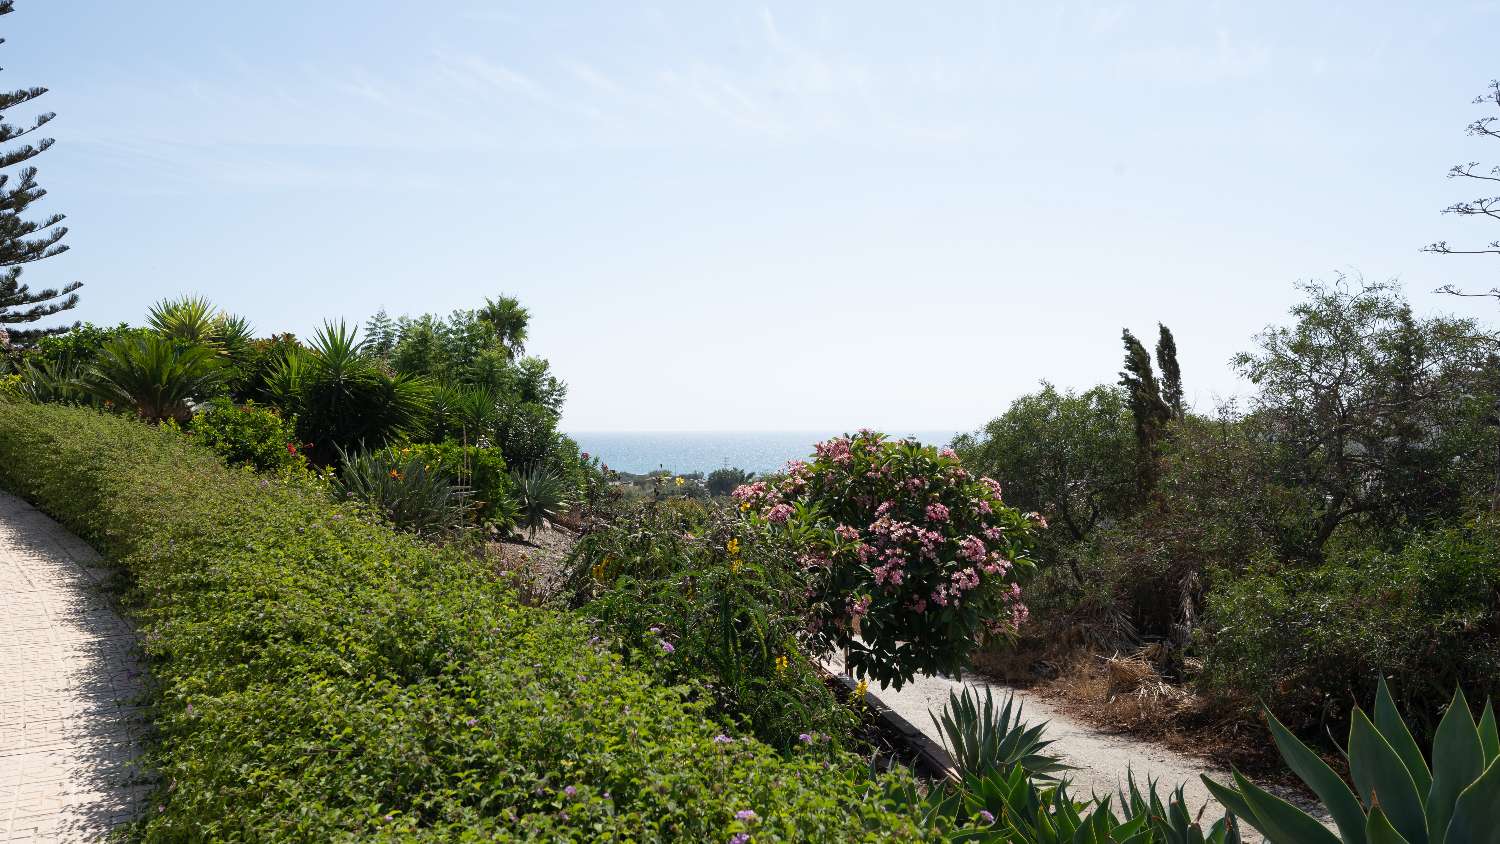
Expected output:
(70, 676)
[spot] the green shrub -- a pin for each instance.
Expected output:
(481, 470)
(154, 377)
(10, 388)
(540, 495)
(1308, 640)
(321, 678)
(724, 597)
(248, 434)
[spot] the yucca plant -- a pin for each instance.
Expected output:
(58, 381)
(982, 739)
(411, 494)
(155, 376)
(1397, 798)
(540, 495)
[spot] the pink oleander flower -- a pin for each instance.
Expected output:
(846, 533)
(948, 453)
(937, 512)
(860, 607)
(993, 485)
(972, 548)
(779, 514)
(1038, 519)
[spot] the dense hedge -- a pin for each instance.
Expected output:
(322, 678)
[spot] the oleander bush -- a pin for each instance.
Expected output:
(910, 561)
(319, 677)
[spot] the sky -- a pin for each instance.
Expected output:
(748, 216)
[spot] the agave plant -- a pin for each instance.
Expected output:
(982, 740)
(540, 494)
(410, 494)
(1397, 798)
(154, 376)
(1009, 807)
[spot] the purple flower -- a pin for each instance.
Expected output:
(985, 816)
(740, 838)
(655, 629)
(472, 721)
(570, 791)
(747, 815)
(667, 646)
(805, 738)
(722, 739)
(390, 818)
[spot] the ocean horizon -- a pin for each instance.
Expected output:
(639, 452)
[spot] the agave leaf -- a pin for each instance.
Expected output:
(1489, 735)
(1340, 801)
(1380, 831)
(1391, 725)
(1232, 800)
(1476, 815)
(1281, 822)
(1457, 761)
(1383, 778)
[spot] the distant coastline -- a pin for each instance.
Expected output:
(640, 452)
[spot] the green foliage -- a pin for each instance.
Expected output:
(725, 481)
(81, 345)
(1008, 807)
(407, 491)
(321, 678)
(10, 388)
(540, 494)
(909, 560)
(1307, 639)
(1150, 413)
(1397, 796)
(982, 740)
(342, 400)
(155, 377)
(726, 597)
(482, 471)
(45, 380)
(508, 320)
(248, 434)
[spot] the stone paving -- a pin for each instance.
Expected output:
(70, 676)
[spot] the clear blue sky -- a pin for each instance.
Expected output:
(786, 216)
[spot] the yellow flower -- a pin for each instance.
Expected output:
(781, 663)
(860, 688)
(680, 481)
(395, 474)
(733, 546)
(745, 506)
(598, 571)
(734, 566)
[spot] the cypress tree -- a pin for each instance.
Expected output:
(24, 241)
(1146, 408)
(1171, 375)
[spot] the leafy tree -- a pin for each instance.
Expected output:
(726, 480)
(1151, 414)
(24, 241)
(1068, 456)
(1171, 373)
(1378, 413)
(380, 335)
(1483, 206)
(509, 320)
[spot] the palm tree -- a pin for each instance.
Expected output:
(155, 376)
(509, 319)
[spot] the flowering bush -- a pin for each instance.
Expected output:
(249, 434)
(909, 561)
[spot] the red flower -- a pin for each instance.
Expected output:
(291, 449)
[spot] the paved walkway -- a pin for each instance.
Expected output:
(69, 677)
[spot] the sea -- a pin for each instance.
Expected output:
(682, 452)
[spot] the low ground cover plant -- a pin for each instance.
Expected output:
(321, 677)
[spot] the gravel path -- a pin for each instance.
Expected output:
(69, 678)
(1102, 759)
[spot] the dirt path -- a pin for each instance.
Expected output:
(69, 677)
(1102, 760)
